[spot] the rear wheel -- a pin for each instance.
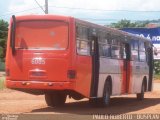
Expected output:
(106, 94)
(55, 99)
(140, 96)
(105, 100)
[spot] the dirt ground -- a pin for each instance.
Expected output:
(15, 102)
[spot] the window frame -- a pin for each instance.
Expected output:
(79, 39)
(33, 20)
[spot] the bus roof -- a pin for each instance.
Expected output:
(116, 31)
(67, 19)
(42, 17)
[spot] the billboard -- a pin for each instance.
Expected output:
(151, 33)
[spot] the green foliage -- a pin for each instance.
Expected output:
(123, 24)
(3, 38)
(157, 66)
(2, 66)
(128, 24)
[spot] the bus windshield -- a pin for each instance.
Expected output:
(41, 34)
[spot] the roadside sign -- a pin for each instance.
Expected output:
(151, 33)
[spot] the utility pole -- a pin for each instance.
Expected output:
(46, 6)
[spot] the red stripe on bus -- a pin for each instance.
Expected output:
(130, 77)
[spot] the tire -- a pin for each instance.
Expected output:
(105, 100)
(140, 96)
(55, 99)
(48, 99)
(106, 93)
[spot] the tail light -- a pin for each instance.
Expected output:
(71, 74)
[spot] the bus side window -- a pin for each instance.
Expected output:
(107, 47)
(116, 47)
(134, 50)
(104, 45)
(82, 39)
(115, 52)
(104, 50)
(123, 51)
(142, 51)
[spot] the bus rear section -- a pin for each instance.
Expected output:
(39, 57)
(59, 56)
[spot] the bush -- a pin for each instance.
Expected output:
(2, 65)
(157, 66)
(2, 83)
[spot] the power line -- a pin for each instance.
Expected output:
(46, 6)
(94, 19)
(40, 6)
(77, 8)
(106, 10)
(6, 14)
(18, 11)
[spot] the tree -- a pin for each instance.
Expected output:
(128, 24)
(123, 24)
(157, 66)
(3, 38)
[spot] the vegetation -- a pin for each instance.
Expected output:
(127, 23)
(157, 67)
(2, 83)
(3, 38)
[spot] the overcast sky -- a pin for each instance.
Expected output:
(97, 11)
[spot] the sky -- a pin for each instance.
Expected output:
(96, 11)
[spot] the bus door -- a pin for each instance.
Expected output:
(126, 68)
(95, 66)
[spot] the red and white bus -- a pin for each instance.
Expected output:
(59, 56)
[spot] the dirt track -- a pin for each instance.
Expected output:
(12, 102)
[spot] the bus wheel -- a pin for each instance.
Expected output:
(140, 96)
(106, 93)
(55, 99)
(105, 100)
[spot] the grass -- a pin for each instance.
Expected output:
(2, 83)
